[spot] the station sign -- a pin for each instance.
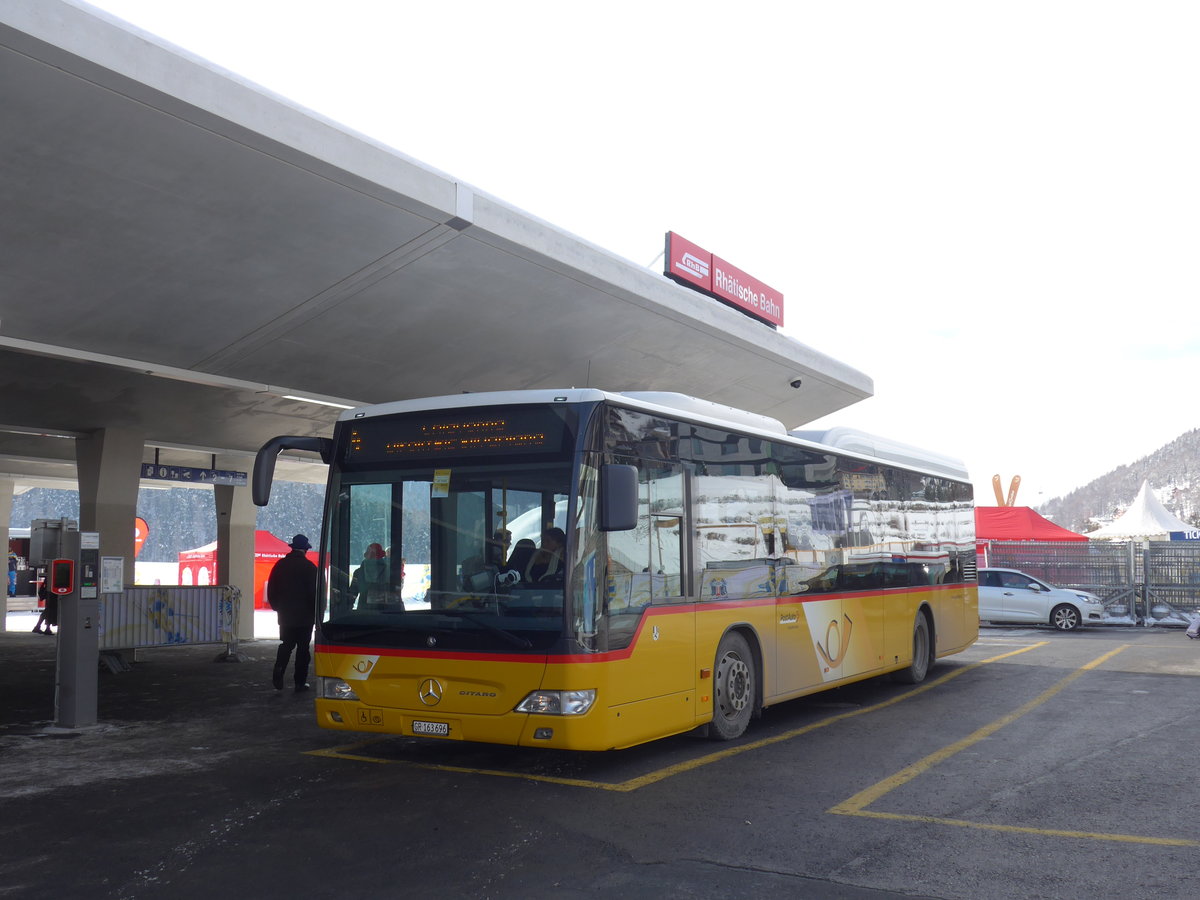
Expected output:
(691, 265)
(688, 263)
(156, 472)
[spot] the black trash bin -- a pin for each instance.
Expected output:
(27, 582)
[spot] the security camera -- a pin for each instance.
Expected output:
(795, 382)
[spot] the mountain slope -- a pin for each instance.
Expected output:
(1174, 475)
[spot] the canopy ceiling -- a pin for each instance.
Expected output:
(185, 253)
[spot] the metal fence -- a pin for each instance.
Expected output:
(166, 616)
(1151, 583)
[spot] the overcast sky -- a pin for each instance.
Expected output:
(992, 209)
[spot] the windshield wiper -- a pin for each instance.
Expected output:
(515, 639)
(363, 632)
(370, 631)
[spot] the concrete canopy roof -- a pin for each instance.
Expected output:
(181, 250)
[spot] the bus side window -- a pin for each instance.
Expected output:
(738, 536)
(814, 514)
(645, 563)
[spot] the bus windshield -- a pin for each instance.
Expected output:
(457, 557)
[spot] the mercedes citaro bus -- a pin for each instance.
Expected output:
(591, 570)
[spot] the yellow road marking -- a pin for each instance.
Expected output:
(708, 759)
(1024, 829)
(633, 784)
(865, 798)
(857, 805)
(347, 752)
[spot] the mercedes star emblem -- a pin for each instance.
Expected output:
(430, 692)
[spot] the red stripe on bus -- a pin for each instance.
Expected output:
(625, 653)
(427, 654)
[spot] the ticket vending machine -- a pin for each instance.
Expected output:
(74, 575)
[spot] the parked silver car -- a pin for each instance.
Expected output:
(1007, 595)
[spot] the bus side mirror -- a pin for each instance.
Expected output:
(264, 462)
(618, 497)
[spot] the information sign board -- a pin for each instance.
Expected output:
(156, 472)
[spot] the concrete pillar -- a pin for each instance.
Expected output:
(7, 486)
(236, 517)
(109, 463)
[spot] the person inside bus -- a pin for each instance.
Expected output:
(522, 555)
(546, 565)
(370, 582)
(399, 583)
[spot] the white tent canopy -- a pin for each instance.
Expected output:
(1146, 519)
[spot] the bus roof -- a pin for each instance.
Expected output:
(844, 441)
(651, 401)
(861, 443)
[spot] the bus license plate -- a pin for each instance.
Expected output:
(441, 729)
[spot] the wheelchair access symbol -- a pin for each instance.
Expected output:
(370, 717)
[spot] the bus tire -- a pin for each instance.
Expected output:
(734, 690)
(922, 660)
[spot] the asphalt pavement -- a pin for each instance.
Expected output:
(201, 779)
(192, 782)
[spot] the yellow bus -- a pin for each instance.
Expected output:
(597, 570)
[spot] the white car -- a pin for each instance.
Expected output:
(1006, 595)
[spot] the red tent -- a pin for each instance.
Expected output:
(199, 566)
(1018, 523)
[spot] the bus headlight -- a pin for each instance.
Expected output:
(558, 703)
(336, 689)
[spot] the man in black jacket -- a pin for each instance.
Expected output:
(292, 593)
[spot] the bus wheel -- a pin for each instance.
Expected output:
(733, 688)
(922, 655)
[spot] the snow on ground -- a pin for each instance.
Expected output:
(22, 617)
